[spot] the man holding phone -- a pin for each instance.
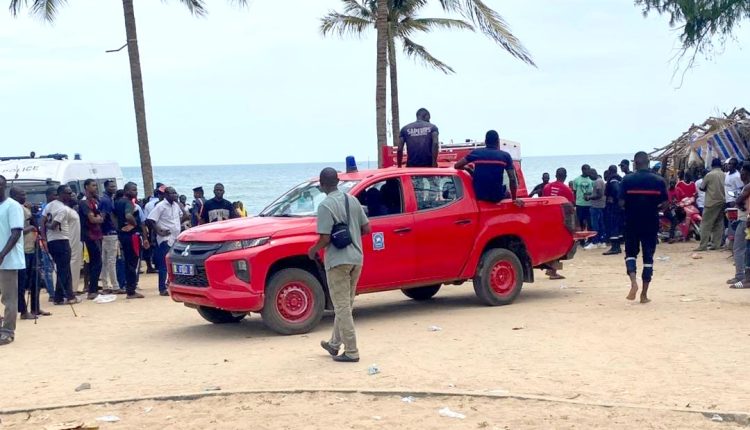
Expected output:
(165, 219)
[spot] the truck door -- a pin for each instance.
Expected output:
(390, 248)
(445, 224)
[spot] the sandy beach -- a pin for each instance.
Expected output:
(574, 352)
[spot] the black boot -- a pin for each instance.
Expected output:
(615, 249)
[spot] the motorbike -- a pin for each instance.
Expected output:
(688, 219)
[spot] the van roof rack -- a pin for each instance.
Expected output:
(33, 156)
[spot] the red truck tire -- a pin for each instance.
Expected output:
(421, 293)
(499, 277)
(294, 302)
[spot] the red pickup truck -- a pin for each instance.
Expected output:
(428, 230)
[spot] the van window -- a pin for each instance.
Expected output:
(382, 198)
(74, 186)
(436, 191)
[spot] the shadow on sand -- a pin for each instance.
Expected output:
(398, 307)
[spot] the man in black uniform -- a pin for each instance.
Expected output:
(641, 195)
(612, 211)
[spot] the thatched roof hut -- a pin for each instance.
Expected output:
(722, 138)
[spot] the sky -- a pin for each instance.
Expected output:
(261, 85)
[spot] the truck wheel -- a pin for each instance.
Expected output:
(421, 293)
(218, 316)
(499, 277)
(294, 302)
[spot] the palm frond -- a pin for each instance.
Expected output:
(407, 7)
(491, 24)
(409, 25)
(196, 7)
(45, 9)
(418, 52)
(344, 25)
(364, 9)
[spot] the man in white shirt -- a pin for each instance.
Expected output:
(11, 261)
(165, 219)
(733, 184)
(76, 244)
(57, 234)
(700, 200)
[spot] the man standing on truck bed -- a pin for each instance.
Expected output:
(490, 163)
(218, 209)
(421, 140)
(343, 265)
(641, 194)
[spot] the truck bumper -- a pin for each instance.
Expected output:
(234, 301)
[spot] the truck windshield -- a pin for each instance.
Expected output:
(302, 200)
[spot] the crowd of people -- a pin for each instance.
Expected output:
(104, 236)
(113, 232)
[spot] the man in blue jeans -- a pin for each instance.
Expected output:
(165, 219)
(128, 225)
(598, 200)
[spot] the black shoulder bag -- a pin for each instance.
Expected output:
(340, 235)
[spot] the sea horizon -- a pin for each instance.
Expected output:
(257, 185)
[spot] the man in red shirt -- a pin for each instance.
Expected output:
(559, 188)
(685, 187)
(554, 189)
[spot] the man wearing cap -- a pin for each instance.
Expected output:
(196, 209)
(165, 220)
(421, 140)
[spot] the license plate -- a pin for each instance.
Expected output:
(183, 269)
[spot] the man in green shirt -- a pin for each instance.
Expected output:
(712, 225)
(582, 187)
(343, 265)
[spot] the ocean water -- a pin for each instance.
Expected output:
(257, 185)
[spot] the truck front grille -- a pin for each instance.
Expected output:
(199, 280)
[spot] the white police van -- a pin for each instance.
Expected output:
(36, 174)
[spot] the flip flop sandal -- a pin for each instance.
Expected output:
(556, 277)
(739, 286)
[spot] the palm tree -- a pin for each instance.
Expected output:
(489, 22)
(47, 9)
(381, 25)
(402, 23)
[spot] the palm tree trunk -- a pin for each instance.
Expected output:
(136, 80)
(395, 119)
(381, 25)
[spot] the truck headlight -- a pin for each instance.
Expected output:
(235, 245)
